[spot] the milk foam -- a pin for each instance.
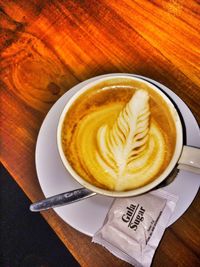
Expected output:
(119, 138)
(124, 149)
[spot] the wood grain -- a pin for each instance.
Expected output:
(49, 46)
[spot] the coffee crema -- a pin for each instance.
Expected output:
(119, 135)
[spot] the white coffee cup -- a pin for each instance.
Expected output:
(184, 157)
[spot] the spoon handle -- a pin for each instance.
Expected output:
(61, 199)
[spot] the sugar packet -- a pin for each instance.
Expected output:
(134, 226)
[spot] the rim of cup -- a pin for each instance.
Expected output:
(139, 190)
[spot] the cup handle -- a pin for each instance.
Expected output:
(190, 159)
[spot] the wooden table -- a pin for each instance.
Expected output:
(49, 46)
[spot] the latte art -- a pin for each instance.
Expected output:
(126, 140)
(115, 138)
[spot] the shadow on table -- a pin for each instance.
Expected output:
(26, 240)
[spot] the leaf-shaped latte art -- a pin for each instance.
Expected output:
(126, 140)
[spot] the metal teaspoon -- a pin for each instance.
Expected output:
(62, 199)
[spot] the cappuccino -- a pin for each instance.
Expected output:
(119, 134)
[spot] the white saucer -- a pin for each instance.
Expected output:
(87, 216)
